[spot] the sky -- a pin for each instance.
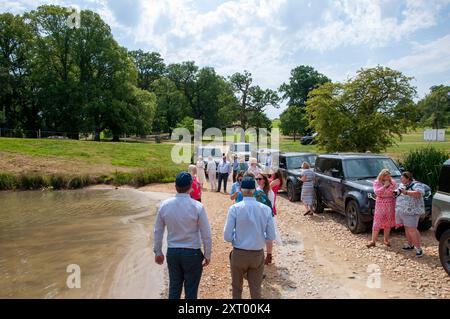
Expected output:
(270, 38)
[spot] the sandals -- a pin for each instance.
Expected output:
(308, 213)
(371, 244)
(268, 259)
(387, 243)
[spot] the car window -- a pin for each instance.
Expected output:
(214, 152)
(327, 165)
(295, 162)
(444, 180)
(360, 168)
(241, 148)
(283, 161)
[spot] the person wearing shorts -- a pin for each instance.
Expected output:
(408, 209)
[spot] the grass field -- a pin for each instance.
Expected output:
(31, 163)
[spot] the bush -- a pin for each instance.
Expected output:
(7, 181)
(80, 182)
(58, 181)
(31, 181)
(425, 164)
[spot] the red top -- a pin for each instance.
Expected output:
(196, 192)
(275, 190)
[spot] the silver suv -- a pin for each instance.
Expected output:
(441, 216)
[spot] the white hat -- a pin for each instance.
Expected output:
(253, 160)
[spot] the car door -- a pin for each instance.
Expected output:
(323, 178)
(337, 186)
(283, 171)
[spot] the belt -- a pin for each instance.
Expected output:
(249, 250)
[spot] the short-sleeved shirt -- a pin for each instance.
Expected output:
(236, 188)
(408, 205)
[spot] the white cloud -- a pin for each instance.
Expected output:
(364, 22)
(429, 58)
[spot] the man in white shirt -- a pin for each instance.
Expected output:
(187, 227)
(249, 225)
(224, 170)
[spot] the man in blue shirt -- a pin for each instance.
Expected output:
(249, 225)
(235, 167)
(236, 193)
(187, 227)
(224, 170)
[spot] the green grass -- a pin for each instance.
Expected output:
(132, 155)
(100, 162)
(129, 163)
(408, 142)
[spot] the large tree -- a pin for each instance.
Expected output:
(435, 107)
(252, 98)
(172, 105)
(292, 121)
(303, 80)
(150, 66)
(17, 105)
(365, 113)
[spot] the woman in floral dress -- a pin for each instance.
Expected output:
(384, 215)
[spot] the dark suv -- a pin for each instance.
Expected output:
(344, 183)
(289, 168)
(441, 216)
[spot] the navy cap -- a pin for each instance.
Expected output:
(183, 179)
(248, 182)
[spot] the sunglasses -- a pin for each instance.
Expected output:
(259, 179)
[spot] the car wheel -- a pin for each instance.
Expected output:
(424, 224)
(318, 207)
(444, 250)
(354, 223)
(292, 196)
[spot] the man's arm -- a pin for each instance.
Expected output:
(158, 233)
(270, 227)
(205, 232)
(228, 231)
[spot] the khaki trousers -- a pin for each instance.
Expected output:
(250, 262)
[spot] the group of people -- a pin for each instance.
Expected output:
(251, 222)
(396, 206)
(250, 226)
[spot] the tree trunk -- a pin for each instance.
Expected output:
(116, 138)
(294, 136)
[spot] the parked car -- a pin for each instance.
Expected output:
(205, 152)
(344, 183)
(441, 216)
(243, 150)
(268, 158)
(290, 169)
(309, 139)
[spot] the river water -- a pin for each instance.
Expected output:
(107, 233)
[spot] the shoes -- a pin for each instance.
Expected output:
(308, 213)
(407, 247)
(371, 244)
(387, 243)
(419, 252)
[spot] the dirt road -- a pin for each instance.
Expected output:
(320, 258)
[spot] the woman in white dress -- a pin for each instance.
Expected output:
(201, 171)
(211, 169)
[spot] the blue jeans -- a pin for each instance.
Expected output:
(185, 267)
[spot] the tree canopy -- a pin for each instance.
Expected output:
(364, 113)
(435, 107)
